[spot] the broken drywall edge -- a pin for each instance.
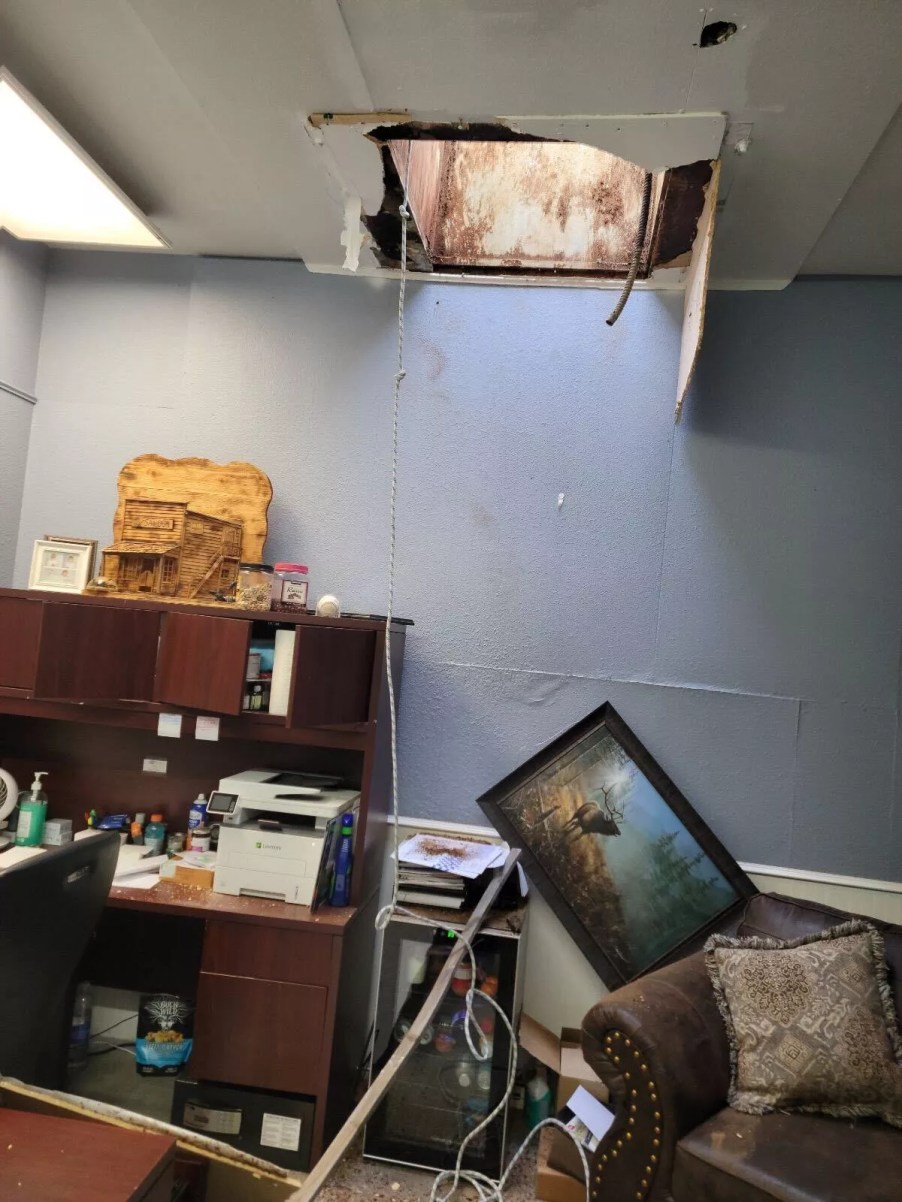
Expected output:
(697, 293)
(656, 141)
(118, 1116)
(664, 280)
(353, 234)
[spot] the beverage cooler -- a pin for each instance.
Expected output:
(442, 1092)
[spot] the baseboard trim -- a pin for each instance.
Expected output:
(823, 878)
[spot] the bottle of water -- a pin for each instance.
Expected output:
(80, 1034)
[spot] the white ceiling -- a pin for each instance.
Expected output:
(198, 109)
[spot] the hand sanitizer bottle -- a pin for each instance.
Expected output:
(32, 814)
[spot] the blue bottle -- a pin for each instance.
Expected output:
(197, 815)
(341, 883)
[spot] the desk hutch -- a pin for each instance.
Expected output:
(282, 994)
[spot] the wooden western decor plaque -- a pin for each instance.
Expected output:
(182, 526)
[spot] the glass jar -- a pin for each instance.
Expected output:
(254, 587)
(289, 587)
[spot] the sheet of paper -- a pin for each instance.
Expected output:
(207, 728)
(280, 1131)
(169, 726)
(464, 857)
(133, 860)
(15, 855)
(589, 1110)
(145, 880)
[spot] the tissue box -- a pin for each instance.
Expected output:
(57, 831)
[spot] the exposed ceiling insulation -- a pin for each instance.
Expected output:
(198, 110)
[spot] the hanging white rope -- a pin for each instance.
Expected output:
(487, 1189)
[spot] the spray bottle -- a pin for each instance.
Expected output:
(32, 814)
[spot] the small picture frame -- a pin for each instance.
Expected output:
(62, 565)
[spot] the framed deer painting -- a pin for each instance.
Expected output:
(626, 863)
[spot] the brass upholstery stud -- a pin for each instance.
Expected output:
(629, 1135)
(655, 1143)
(631, 1121)
(653, 1158)
(657, 1114)
(613, 1153)
(628, 1042)
(644, 1067)
(626, 1076)
(634, 1093)
(633, 1106)
(644, 1183)
(604, 1156)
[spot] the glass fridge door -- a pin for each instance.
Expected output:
(442, 1092)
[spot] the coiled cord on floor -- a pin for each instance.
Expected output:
(487, 1189)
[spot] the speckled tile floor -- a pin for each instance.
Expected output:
(359, 1180)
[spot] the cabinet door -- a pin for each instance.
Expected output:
(333, 675)
(267, 952)
(265, 1034)
(20, 631)
(96, 653)
(203, 662)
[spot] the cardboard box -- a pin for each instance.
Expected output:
(564, 1056)
(551, 1184)
(191, 868)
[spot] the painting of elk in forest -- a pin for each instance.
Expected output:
(627, 864)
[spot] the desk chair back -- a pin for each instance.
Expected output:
(49, 908)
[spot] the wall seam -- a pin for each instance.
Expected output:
(19, 393)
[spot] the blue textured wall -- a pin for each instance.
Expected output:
(21, 305)
(732, 585)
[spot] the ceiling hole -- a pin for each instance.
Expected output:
(717, 33)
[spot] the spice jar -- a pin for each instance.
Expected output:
(254, 588)
(289, 587)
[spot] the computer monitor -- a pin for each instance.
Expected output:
(49, 908)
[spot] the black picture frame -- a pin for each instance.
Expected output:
(662, 907)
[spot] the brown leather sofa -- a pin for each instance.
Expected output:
(659, 1045)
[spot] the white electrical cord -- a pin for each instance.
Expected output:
(487, 1189)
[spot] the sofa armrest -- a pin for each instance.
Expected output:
(660, 1047)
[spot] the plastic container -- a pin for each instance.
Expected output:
(137, 829)
(175, 843)
(290, 587)
(80, 1031)
(254, 587)
(538, 1097)
(199, 839)
(32, 814)
(155, 835)
(341, 885)
(197, 815)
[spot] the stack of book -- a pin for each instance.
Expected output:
(428, 887)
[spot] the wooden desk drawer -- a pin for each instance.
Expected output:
(266, 1034)
(267, 953)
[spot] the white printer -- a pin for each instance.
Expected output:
(272, 834)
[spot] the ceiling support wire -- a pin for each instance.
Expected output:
(447, 1182)
(637, 249)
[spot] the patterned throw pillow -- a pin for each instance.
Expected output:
(810, 1022)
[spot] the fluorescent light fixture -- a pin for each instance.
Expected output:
(50, 190)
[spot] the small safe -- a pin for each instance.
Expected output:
(273, 1126)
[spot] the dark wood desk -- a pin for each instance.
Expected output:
(281, 994)
(44, 1158)
(273, 984)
